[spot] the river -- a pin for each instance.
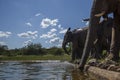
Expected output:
(40, 70)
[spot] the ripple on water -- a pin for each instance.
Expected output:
(39, 70)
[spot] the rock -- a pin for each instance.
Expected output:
(86, 67)
(118, 70)
(111, 62)
(111, 67)
(92, 62)
(107, 64)
(103, 66)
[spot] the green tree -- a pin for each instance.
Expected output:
(58, 52)
(33, 49)
(55, 51)
(3, 49)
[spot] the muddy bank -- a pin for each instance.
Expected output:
(102, 74)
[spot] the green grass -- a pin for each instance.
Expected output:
(36, 57)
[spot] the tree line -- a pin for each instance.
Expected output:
(30, 49)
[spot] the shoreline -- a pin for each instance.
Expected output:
(31, 61)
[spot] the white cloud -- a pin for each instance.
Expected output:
(63, 31)
(49, 34)
(54, 22)
(87, 23)
(29, 34)
(2, 43)
(59, 26)
(52, 35)
(46, 22)
(5, 34)
(55, 40)
(27, 42)
(53, 30)
(28, 24)
(46, 36)
(60, 43)
(38, 14)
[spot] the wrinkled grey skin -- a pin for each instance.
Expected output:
(77, 37)
(103, 8)
(104, 32)
(103, 38)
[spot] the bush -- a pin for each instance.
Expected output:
(58, 52)
(33, 49)
(3, 49)
(55, 51)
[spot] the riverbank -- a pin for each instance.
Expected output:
(102, 74)
(35, 57)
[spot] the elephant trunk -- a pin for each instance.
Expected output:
(91, 35)
(64, 47)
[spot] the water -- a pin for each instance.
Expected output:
(39, 70)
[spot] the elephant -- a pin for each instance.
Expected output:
(78, 37)
(103, 38)
(102, 8)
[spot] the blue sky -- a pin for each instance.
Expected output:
(40, 21)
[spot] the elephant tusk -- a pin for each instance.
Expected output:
(100, 14)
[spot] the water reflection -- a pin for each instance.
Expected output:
(42, 70)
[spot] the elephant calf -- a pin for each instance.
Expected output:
(78, 37)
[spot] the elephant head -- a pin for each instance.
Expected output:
(67, 39)
(99, 8)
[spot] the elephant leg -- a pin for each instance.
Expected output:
(92, 52)
(98, 49)
(99, 53)
(114, 48)
(79, 52)
(73, 55)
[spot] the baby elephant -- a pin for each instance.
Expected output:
(78, 37)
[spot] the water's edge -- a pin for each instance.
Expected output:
(93, 72)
